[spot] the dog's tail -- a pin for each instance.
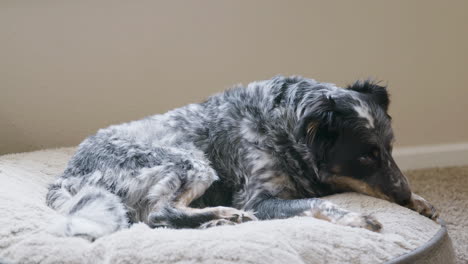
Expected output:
(91, 213)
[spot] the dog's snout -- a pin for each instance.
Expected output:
(403, 197)
(400, 190)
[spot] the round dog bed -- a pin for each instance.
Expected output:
(406, 236)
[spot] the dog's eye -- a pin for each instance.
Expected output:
(369, 158)
(366, 160)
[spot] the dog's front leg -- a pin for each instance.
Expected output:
(420, 205)
(275, 208)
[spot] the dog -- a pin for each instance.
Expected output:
(265, 151)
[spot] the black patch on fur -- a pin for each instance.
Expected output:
(377, 92)
(321, 112)
(177, 218)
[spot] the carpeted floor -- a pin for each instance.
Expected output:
(447, 190)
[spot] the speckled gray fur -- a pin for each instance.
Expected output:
(237, 149)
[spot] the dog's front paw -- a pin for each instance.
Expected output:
(217, 222)
(360, 220)
(235, 215)
(423, 207)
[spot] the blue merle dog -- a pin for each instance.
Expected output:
(265, 151)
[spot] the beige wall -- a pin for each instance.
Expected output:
(68, 68)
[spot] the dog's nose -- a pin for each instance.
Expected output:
(403, 198)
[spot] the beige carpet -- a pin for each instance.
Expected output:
(447, 189)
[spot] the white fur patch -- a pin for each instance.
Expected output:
(364, 113)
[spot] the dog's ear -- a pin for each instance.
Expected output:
(319, 117)
(378, 93)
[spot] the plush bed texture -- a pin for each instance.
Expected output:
(25, 221)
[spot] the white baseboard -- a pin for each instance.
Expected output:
(431, 156)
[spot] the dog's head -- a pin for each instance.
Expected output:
(350, 136)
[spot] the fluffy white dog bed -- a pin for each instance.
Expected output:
(25, 219)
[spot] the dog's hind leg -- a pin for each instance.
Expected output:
(184, 182)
